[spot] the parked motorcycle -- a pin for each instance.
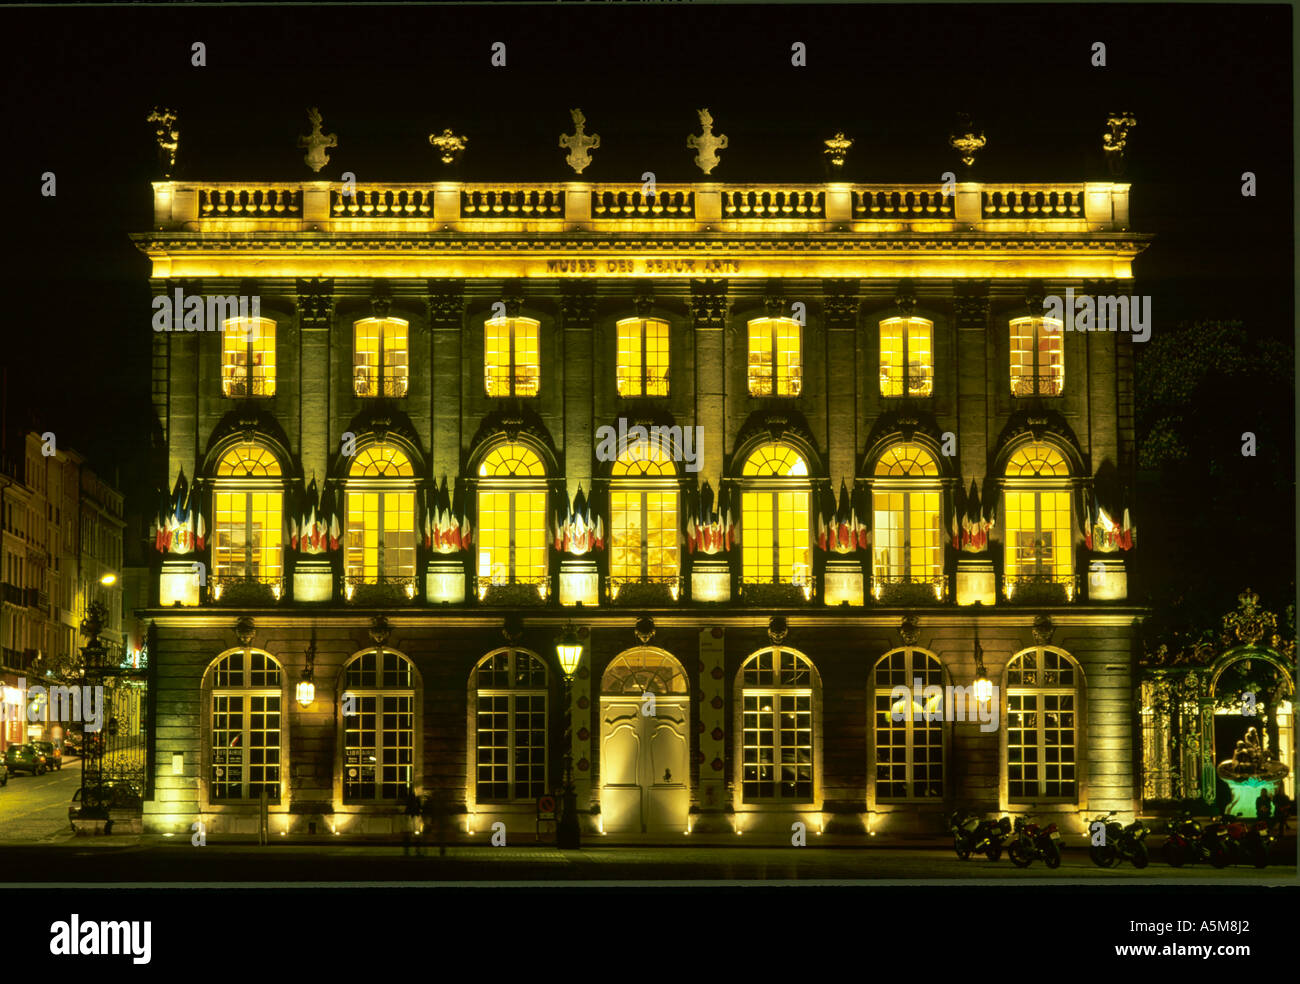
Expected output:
(1235, 840)
(1033, 842)
(1118, 842)
(1186, 841)
(972, 834)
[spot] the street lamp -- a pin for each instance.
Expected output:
(307, 685)
(108, 580)
(569, 650)
(983, 685)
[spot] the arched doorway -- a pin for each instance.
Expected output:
(644, 744)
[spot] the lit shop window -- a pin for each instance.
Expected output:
(775, 357)
(380, 531)
(1042, 723)
(248, 357)
(1037, 357)
(643, 519)
(777, 727)
(1040, 533)
(512, 518)
(776, 543)
(381, 364)
(244, 754)
(908, 748)
(379, 737)
(247, 507)
(905, 497)
(906, 357)
(642, 357)
(512, 357)
(510, 727)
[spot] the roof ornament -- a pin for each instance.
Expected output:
(706, 144)
(837, 149)
(317, 142)
(449, 145)
(1113, 143)
(578, 143)
(167, 135)
(966, 139)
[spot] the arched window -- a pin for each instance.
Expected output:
(382, 357)
(643, 518)
(1037, 357)
(510, 726)
(1042, 726)
(776, 544)
(244, 747)
(512, 518)
(906, 357)
(642, 357)
(512, 357)
(776, 693)
(248, 520)
(1039, 519)
(775, 357)
(248, 357)
(378, 708)
(908, 726)
(645, 671)
(380, 518)
(907, 539)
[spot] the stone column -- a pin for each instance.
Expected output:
(840, 306)
(971, 307)
(709, 314)
(579, 584)
(315, 321)
(446, 322)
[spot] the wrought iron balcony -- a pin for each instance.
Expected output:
(513, 589)
(789, 590)
(241, 384)
(652, 589)
(386, 386)
(1041, 588)
(1037, 385)
(246, 590)
(918, 384)
(909, 589)
(379, 589)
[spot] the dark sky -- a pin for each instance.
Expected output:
(1210, 87)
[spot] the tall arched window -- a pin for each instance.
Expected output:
(245, 738)
(1037, 357)
(248, 357)
(1039, 524)
(381, 518)
(905, 497)
(643, 518)
(642, 363)
(776, 693)
(248, 522)
(1042, 686)
(510, 726)
(382, 357)
(512, 518)
(908, 747)
(379, 733)
(776, 544)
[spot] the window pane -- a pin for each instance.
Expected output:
(891, 357)
(760, 358)
(629, 366)
(789, 358)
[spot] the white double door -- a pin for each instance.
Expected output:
(644, 765)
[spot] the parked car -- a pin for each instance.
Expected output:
(26, 758)
(116, 796)
(53, 757)
(4, 774)
(71, 746)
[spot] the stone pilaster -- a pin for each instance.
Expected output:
(578, 312)
(974, 352)
(446, 323)
(315, 321)
(1096, 376)
(711, 794)
(840, 306)
(709, 315)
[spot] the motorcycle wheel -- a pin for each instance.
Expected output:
(1102, 857)
(995, 851)
(1019, 856)
(1219, 856)
(1052, 855)
(1140, 856)
(1173, 854)
(1259, 855)
(961, 847)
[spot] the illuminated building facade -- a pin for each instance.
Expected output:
(383, 463)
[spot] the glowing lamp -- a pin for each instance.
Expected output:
(306, 690)
(983, 685)
(108, 580)
(569, 651)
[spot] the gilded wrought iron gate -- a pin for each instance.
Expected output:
(115, 763)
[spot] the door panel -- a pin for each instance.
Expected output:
(644, 763)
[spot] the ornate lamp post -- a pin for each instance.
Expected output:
(983, 685)
(569, 650)
(306, 691)
(93, 655)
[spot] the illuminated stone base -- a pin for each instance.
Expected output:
(976, 582)
(313, 580)
(445, 582)
(844, 583)
(579, 582)
(710, 580)
(178, 584)
(1107, 580)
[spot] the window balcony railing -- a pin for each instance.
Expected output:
(652, 589)
(379, 589)
(778, 589)
(892, 383)
(243, 385)
(635, 384)
(909, 589)
(504, 384)
(1037, 385)
(513, 589)
(386, 386)
(1042, 588)
(762, 383)
(246, 590)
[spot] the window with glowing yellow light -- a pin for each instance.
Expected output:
(775, 357)
(246, 692)
(906, 357)
(1037, 357)
(512, 518)
(907, 543)
(381, 364)
(775, 503)
(512, 357)
(248, 357)
(1042, 726)
(247, 514)
(379, 734)
(642, 363)
(643, 518)
(908, 748)
(777, 727)
(380, 530)
(510, 727)
(1039, 517)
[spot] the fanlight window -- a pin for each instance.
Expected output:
(644, 672)
(379, 734)
(380, 544)
(248, 357)
(776, 543)
(908, 747)
(381, 364)
(247, 514)
(642, 364)
(510, 726)
(245, 736)
(1037, 460)
(512, 357)
(907, 461)
(775, 357)
(512, 518)
(248, 460)
(511, 461)
(643, 518)
(1037, 357)
(777, 727)
(1042, 726)
(906, 519)
(906, 357)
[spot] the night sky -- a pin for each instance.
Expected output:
(1210, 87)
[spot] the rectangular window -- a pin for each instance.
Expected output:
(777, 747)
(512, 357)
(909, 752)
(1040, 746)
(511, 747)
(775, 538)
(379, 748)
(380, 536)
(245, 746)
(642, 357)
(381, 363)
(907, 537)
(775, 357)
(246, 538)
(906, 357)
(644, 542)
(1039, 534)
(512, 537)
(1037, 357)
(248, 357)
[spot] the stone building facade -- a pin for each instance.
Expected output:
(741, 665)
